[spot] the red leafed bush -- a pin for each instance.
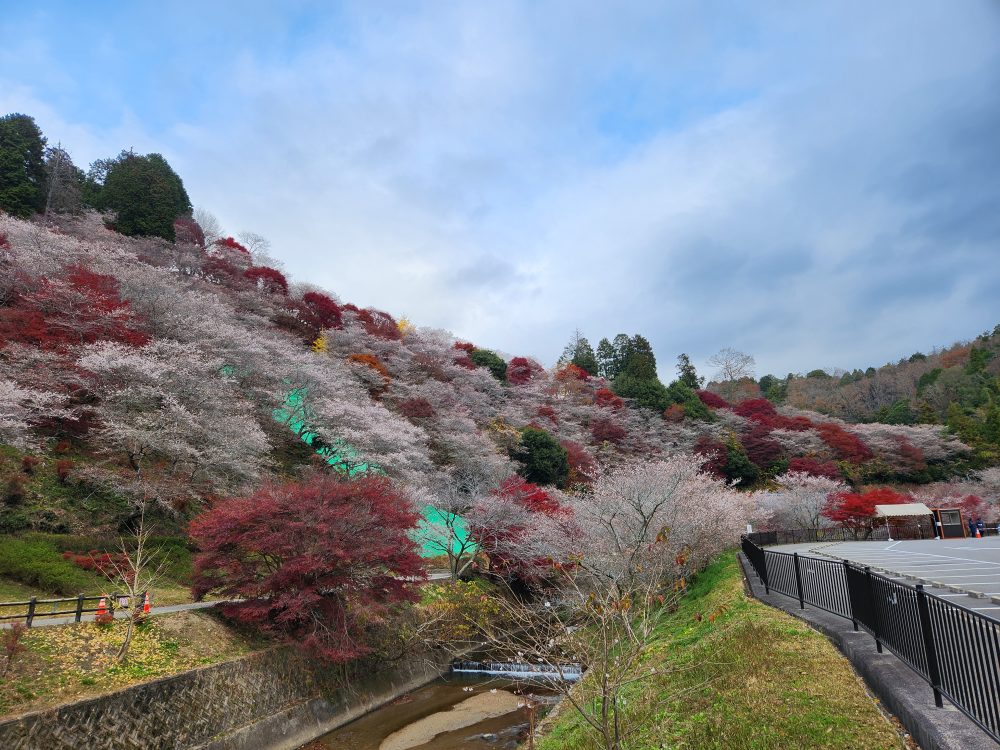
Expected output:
(29, 464)
(760, 449)
(63, 468)
(912, 456)
(846, 445)
(501, 542)
(4, 242)
(520, 370)
(605, 430)
(856, 510)
(80, 308)
(370, 360)
(712, 400)
(548, 412)
(416, 408)
(221, 271)
(107, 564)
(232, 244)
(606, 398)
(376, 323)
(815, 468)
(674, 413)
(319, 311)
(716, 456)
(582, 467)
(268, 280)
(755, 409)
(464, 346)
(318, 563)
(189, 231)
(571, 372)
(466, 362)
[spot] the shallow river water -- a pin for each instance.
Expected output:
(452, 713)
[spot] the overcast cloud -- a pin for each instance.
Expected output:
(817, 186)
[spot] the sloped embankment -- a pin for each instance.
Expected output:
(735, 674)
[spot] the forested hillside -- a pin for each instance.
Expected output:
(151, 359)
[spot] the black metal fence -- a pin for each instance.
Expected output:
(77, 606)
(838, 534)
(956, 650)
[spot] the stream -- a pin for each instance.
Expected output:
(452, 713)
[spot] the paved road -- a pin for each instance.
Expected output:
(965, 571)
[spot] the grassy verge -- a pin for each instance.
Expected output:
(74, 661)
(736, 674)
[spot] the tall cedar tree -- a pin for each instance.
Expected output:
(144, 192)
(687, 374)
(579, 352)
(22, 166)
(319, 563)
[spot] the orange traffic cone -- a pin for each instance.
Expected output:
(145, 605)
(102, 607)
(978, 535)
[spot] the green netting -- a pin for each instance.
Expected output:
(343, 458)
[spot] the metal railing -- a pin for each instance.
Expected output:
(955, 649)
(35, 608)
(838, 534)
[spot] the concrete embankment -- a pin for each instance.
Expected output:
(271, 700)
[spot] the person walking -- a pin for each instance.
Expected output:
(972, 527)
(980, 527)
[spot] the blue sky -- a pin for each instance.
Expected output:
(816, 184)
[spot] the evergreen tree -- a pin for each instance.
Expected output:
(22, 166)
(687, 374)
(542, 458)
(579, 352)
(739, 467)
(491, 361)
(144, 192)
(606, 360)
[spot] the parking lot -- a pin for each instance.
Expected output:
(965, 571)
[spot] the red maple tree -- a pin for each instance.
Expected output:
(317, 563)
(856, 510)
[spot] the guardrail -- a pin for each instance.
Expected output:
(954, 649)
(78, 606)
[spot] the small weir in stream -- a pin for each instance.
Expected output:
(477, 705)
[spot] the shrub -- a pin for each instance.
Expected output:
(605, 430)
(492, 362)
(29, 464)
(63, 468)
(544, 461)
(416, 408)
(521, 370)
(604, 397)
(38, 564)
(12, 646)
(712, 400)
(15, 492)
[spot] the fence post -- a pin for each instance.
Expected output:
(850, 603)
(31, 610)
(876, 630)
(931, 651)
(763, 568)
(798, 581)
(79, 607)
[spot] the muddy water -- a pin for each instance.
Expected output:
(449, 714)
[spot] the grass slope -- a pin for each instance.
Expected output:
(738, 674)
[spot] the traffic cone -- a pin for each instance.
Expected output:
(978, 535)
(145, 605)
(102, 607)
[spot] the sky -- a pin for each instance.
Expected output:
(817, 184)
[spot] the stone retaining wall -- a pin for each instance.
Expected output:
(272, 700)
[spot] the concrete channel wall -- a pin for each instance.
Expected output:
(272, 700)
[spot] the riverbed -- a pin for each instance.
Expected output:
(451, 713)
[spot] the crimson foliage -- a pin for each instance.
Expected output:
(847, 445)
(856, 510)
(607, 398)
(811, 466)
(81, 308)
(318, 562)
(319, 311)
(269, 280)
(605, 430)
(416, 408)
(232, 245)
(712, 400)
(520, 370)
